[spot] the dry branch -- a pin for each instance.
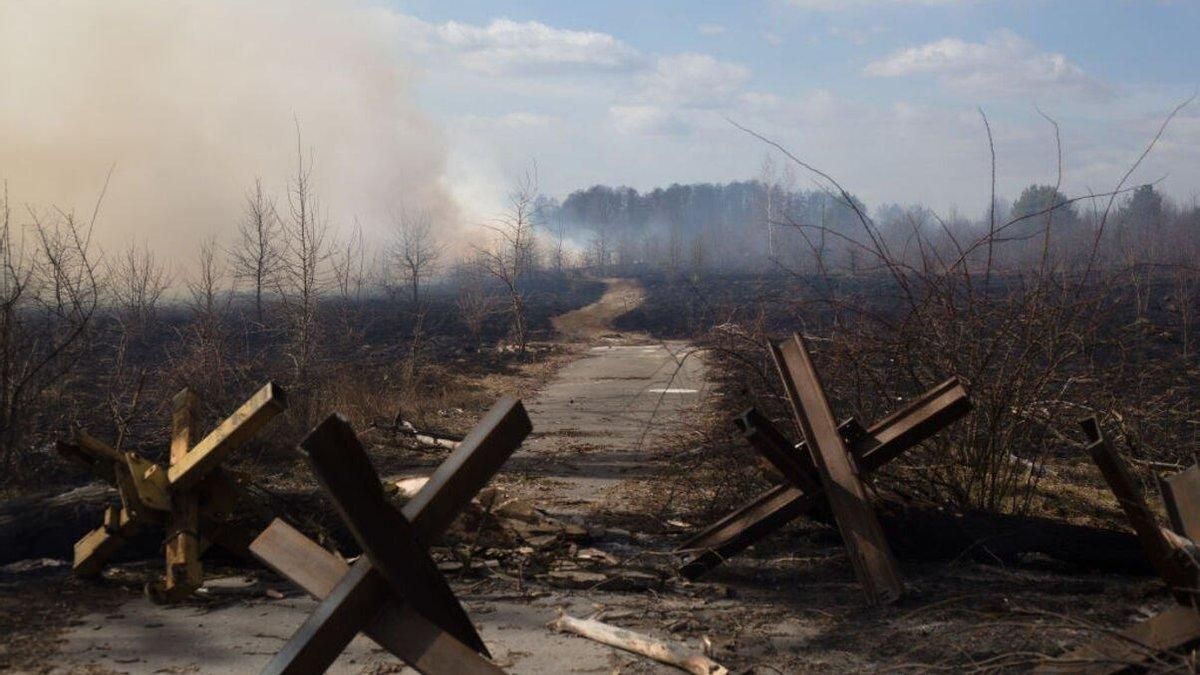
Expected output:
(659, 650)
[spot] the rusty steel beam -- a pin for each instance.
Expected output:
(862, 535)
(874, 447)
(385, 535)
(397, 626)
(793, 462)
(391, 618)
(1181, 495)
(1168, 561)
(1176, 628)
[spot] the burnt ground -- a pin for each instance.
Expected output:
(610, 427)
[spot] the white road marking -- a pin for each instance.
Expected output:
(674, 390)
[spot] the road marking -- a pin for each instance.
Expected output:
(674, 390)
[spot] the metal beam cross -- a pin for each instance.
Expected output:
(394, 593)
(1172, 553)
(801, 492)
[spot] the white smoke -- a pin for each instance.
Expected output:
(190, 101)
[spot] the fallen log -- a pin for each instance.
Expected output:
(47, 525)
(928, 533)
(664, 652)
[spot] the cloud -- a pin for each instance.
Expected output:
(759, 100)
(857, 35)
(509, 47)
(646, 120)
(710, 29)
(839, 5)
(1004, 65)
(692, 80)
(509, 121)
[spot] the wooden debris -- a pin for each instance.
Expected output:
(670, 653)
(511, 522)
(428, 438)
(193, 500)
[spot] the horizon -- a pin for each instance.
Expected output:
(439, 105)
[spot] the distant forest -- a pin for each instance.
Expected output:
(744, 224)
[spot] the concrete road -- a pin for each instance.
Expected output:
(597, 419)
(593, 424)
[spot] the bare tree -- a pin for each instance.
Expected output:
(558, 255)
(776, 186)
(675, 248)
(349, 263)
(351, 275)
(601, 247)
(138, 282)
(416, 250)
(204, 363)
(511, 255)
(209, 297)
(770, 180)
(1185, 298)
(301, 276)
(257, 255)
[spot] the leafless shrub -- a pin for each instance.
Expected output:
(1024, 337)
(204, 362)
(49, 295)
(138, 282)
(475, 301)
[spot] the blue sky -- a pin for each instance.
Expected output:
(882, 93)
(437, 105)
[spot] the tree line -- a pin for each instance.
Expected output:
(744, 225)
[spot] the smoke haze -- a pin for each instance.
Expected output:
(191, 101)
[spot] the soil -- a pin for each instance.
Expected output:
(610, 425)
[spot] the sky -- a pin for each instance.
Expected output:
(885, 95)
(180, 106)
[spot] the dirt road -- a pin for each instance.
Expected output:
(593, 425)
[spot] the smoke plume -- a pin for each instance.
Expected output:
(188, 102)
